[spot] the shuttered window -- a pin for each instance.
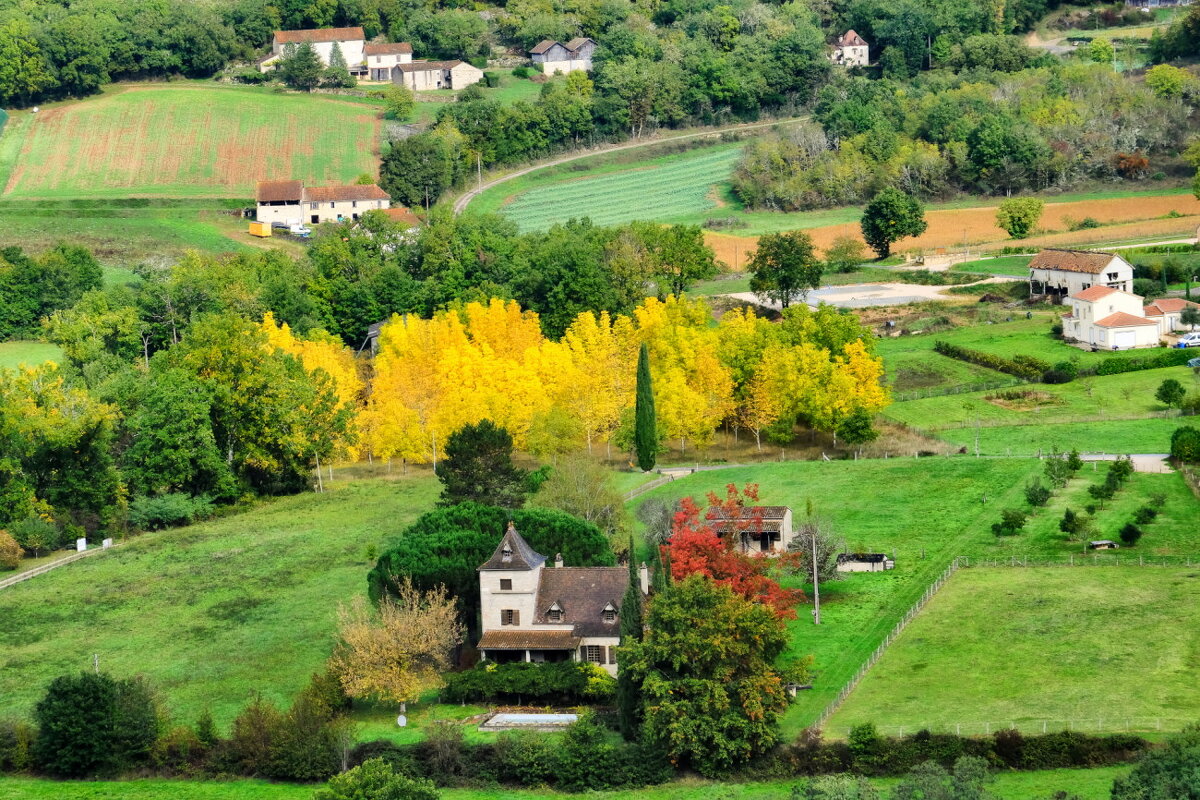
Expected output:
(612, 655)
(593, 653)
(510, 617)
(505, 584)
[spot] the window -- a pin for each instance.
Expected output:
(313, 206)
(554, 615)
(593, 653)
(506, 553)
(332, 204)
(510, 617)
(506, 584)
(610, 614)
(354, 204)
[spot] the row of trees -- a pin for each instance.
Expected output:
(815, 366)
(978, 131)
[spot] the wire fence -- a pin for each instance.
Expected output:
(1110, 558)
(1115, 723)
(887, 641)
(1051, 418)
(966, 388)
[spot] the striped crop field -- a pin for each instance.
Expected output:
(660, 190)
(181, 140)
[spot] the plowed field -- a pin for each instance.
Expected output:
(1136, 217)
(189, 141)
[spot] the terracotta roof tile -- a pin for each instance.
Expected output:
(316, 35)
(388, 49)
(329, 194)
(278, 191)
(1169, 305)
(768, 512)
(528, 640)
(403, 216)
(1089, 261)
(1123, 320)
(851, 39)
(1094, 293)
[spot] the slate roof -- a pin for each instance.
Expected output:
(316, 35)
(851, 39)
(578, 42)
(279, 191)
(582, 593)
(528, 640)
(542, 46)
(329, 194)
(388, 49)
(1123, 320)
(522, 556)
(1094, 293)
(1088, 261)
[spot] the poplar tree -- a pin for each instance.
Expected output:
(645, 432)
(629, 691)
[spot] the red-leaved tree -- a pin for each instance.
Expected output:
(696, 548)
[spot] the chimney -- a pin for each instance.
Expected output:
(558, 560)
(644, 578)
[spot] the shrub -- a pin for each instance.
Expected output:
(251, 76)
(1185, 444)
(1062, 372)
(521, 72)
(1012, 521)
(998, 363)
(1170, 393)
(491, 79)
(38, 535)
(1037, 493)
(1130, 534)
(167, 511)
(10, 551)
(1069, 524)
(180, 750)
(376, 778)
(16, 745)
(563, 683)
(1169, 357)
(93, 724)
(1145, 515)
(1082, 224)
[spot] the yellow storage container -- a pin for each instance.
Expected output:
(260, 229)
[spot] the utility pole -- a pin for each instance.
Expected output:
(816, 588)
(479, 169)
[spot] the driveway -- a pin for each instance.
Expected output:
(863, 295)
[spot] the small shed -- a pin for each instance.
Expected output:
(1103, 544)
(864, 562)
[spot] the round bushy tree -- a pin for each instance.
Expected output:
(375, 779)
(890, 217)
(478, 468)
(93, 724)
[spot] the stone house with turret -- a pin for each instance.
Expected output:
(539, 612)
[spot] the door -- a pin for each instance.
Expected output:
(315, 219)
(1123, 340)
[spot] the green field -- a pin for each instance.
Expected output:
(1086, 784)
(210, 613)
(510, 90)
(1124, 436)
(672, 186)
(1101, 648)
(185, 140)
(15, 354)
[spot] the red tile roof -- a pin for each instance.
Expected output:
(403, 216)
(1072, 260)
(313, 36)
(1123, 320)
(388, 49)
(528, 640)
(329, 194)
(278, 191)
(1094, 293)
(851, 39)
(1168, 305)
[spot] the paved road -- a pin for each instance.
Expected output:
(460, 205)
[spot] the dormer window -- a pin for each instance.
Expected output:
(506, 553)
(555, 613)
(610, 613)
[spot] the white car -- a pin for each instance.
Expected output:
(1189, 340)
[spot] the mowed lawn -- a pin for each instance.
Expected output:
(210, 613)
(1086, 784)
(1093, 647)
(22, 353)
(187, 140)
(924, 512)
(1111, 436)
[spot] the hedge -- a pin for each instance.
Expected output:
(1023, 368)
(1170, 357)
(563, 683)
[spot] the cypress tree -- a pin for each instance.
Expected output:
(629, 694)
(645, 426)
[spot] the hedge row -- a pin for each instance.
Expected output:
(1022, 368)
(1170, 357)
(567, 683)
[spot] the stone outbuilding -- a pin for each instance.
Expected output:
(559, 57)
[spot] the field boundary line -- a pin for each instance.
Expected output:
(912, 612)
(44, 568)
(461, 203)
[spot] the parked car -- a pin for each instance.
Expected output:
(1189, 340)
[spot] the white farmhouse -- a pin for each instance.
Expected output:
(1109, 319)
(1060, 273)
(382, 58)
(533, 612)
(1166, 311)
(291, 202)
(350, 41)
(851, 50)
